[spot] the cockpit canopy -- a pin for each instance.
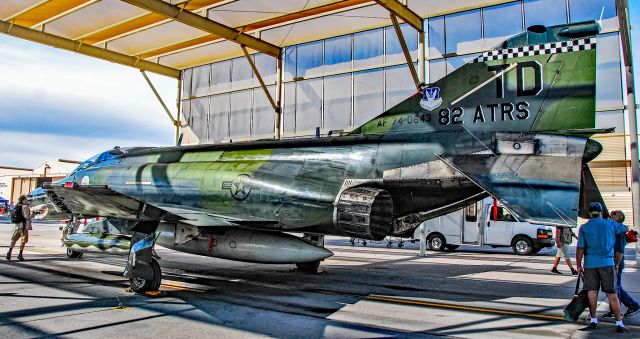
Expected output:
(105, 156)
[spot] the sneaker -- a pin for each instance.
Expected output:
(20, 257)
(593, 326)
(631, 311)
(8, 256)
(555, 270)
(621, 329)
(609, 315)
(574, 272)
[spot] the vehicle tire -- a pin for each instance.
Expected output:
(452, 247)
(436, 242)
(73, 254)
(308, 267)
(522, 245)
(146, 285)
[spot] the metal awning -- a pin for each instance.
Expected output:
(165, 36)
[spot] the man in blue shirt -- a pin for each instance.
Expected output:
(621, 242)
(596, 240)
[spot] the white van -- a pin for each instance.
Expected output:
(474, 225)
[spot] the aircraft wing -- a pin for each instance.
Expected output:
(102, 201)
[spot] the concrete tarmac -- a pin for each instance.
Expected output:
(362, 292)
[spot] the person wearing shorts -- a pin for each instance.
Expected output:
(596, 240)
(563, 240)
(21, 230)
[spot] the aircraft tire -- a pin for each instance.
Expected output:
(147, 285)
(73, 254)
(308, 267)
(522, 245)
(436, 242)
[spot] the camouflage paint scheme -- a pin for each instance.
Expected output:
(515, 127)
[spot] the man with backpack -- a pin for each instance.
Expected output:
(563, 240)
(21, 218)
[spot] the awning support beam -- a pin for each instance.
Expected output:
(402, 11)
(153, 88)
(275, 106)
(405, 50)
(74, 46)
(205, 24)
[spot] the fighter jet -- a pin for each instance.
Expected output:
(513, 123)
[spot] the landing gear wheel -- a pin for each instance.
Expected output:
(452, 247)
(352, 242)
(436, 242)
(73, 254)
(147, 285)
(522, 246)
(308, 267)
(400, 244)
(364, 243)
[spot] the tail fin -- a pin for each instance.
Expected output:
(539, 81)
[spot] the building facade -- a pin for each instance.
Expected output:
(17, 181)
(339, 82)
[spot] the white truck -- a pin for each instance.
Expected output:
(481, 225)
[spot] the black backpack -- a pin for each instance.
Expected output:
(16, 215)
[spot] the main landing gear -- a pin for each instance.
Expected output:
(142, 269)
(142, 285)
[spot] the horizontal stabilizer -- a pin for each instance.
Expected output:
(542, 187)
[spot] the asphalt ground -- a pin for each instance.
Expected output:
(362, 292)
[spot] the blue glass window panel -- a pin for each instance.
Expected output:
(368, 48)
(221, 76)
(368, 103)
(337, 102)
(501, 22)
(241, 73)
(394, 50)
(268, 68)
(262, 123)
(437, 70)
(199, 120)
(186, 82)
(219, 117)
(454, 63)
(545, 12)
(399, 85)
(289, 112)
(337, 54)
(436, 38)
(240, 118)
(583, 10)
(289, 63)
(309, 61)
(308, 106)
(463, 32)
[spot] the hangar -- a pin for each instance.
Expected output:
(249, 70)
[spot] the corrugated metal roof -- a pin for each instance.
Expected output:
(122, 29)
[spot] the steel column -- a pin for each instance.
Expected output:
(405, 50)
(625, 37)
(422, 74)
(177, 121)
(279, 92)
